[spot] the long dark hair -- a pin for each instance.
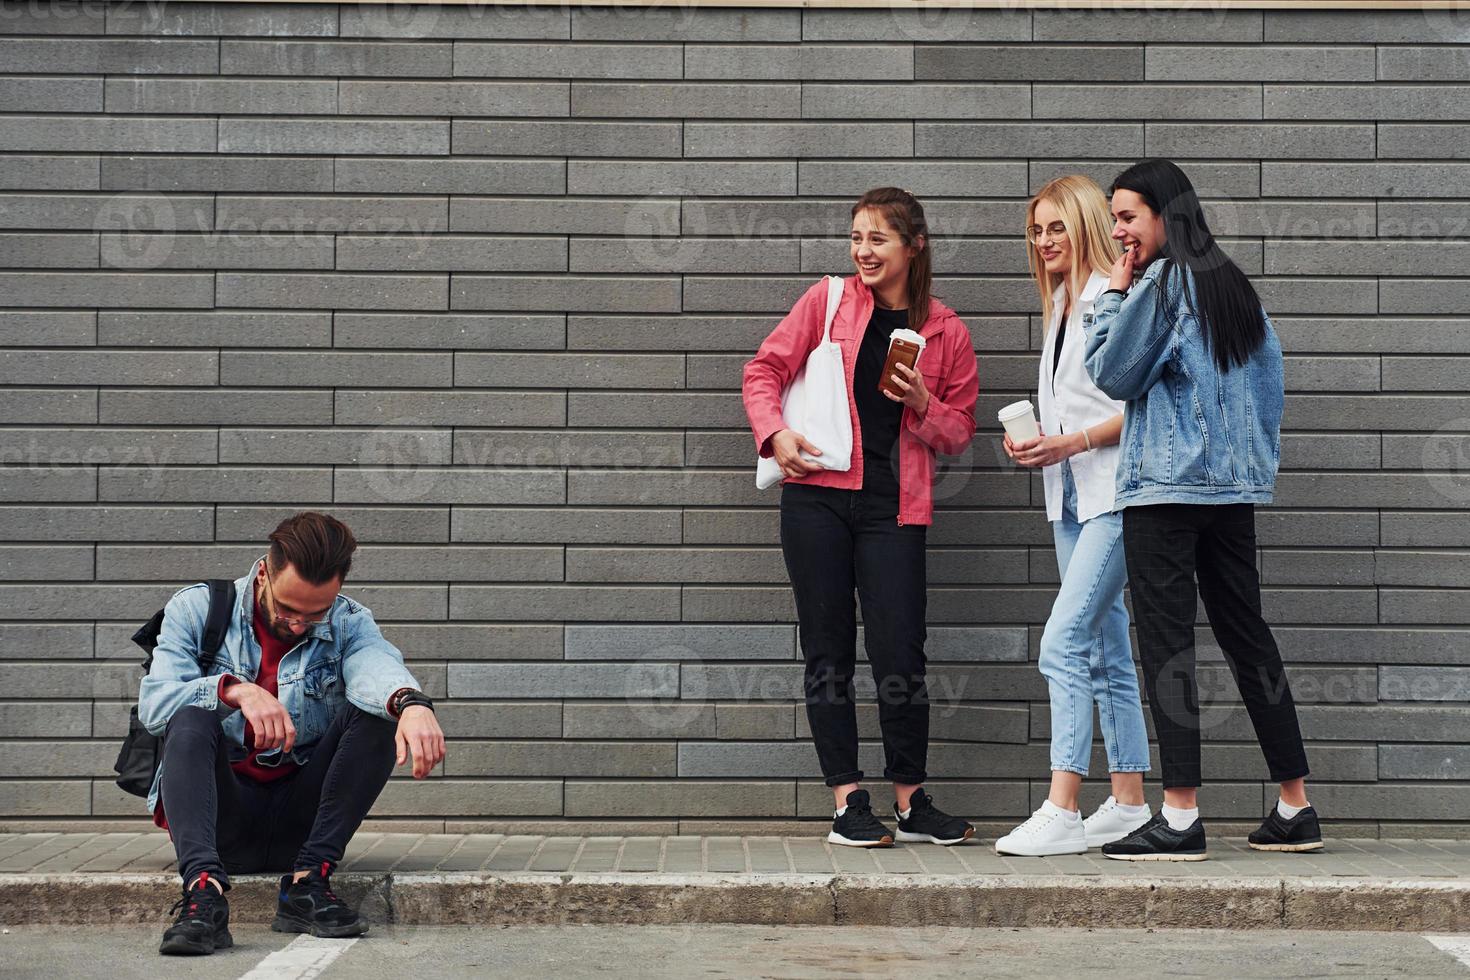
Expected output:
(906, 215)
(1226, 303)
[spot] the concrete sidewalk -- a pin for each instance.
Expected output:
(444, 879)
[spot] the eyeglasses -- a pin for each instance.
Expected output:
(1056, 231)
(288, 620)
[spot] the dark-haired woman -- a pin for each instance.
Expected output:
(864, 528)
(1190, 350)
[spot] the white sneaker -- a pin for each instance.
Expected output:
(1108, 824)
(1050, 830)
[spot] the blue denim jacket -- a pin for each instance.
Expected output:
(346, 658)
(1191, 435)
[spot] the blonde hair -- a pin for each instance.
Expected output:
(1084, 213)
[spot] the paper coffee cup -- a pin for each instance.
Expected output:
(904, 347)
(911, 336)
(1019, 419)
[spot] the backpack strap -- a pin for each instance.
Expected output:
(217, 622)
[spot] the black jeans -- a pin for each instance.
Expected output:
(223, 823)
(836, 541)
(1166, 546)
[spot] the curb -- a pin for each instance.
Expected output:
(911, 901)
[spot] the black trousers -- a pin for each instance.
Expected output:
(223, 823)
(1167, 546)
(835, 542)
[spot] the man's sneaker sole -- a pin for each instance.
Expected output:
(833, 837)
(909, 837)
(283, 923)
(184, 946)
(1315, 845)
(1186, 856)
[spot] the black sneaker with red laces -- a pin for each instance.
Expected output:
(311, 906)
(203, 925)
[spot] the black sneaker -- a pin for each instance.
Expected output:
(311, 906)
(1157, 841)
(927, 824)
(203, 925)
(857, 827)
(1276, 833)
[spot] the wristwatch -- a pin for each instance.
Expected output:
(408, 697)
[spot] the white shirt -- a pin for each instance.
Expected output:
(1074, 405)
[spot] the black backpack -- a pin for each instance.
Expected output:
(137, 761)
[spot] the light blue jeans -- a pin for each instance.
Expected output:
(1085, 654)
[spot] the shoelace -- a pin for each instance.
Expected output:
(192, 899)
(862, 815)
(325, 886)
(1036, 822)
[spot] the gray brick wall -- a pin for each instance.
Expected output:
(480, 281)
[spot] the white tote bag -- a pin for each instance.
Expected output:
(815, 403)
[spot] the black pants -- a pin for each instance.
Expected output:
(1167, 545)
(223, 823)
(835, 542)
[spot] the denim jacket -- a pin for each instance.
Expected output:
(1191, 434)
(345, 658)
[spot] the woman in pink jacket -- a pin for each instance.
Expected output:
(864, 528)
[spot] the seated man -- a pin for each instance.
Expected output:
(274, 755)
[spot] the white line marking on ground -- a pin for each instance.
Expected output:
(303, 958)
(1456, 946)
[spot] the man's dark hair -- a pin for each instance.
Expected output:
(318, 545)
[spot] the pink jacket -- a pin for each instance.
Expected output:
(947, 364)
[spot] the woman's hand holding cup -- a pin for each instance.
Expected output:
(787, 446)
(1044, 451)
(911, 383)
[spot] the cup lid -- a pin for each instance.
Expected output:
(1015, 410)
(912, 336)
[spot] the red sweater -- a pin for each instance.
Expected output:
(271, 652)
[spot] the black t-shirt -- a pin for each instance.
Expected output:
(878, 416)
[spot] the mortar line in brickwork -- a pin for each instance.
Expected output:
(577, 854)
(531, 858)
(495, 850)
(617, 864)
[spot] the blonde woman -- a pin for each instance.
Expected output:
(1085, 653)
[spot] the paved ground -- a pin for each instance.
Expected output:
(490, 880)
(733, 951)
(424, 853)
